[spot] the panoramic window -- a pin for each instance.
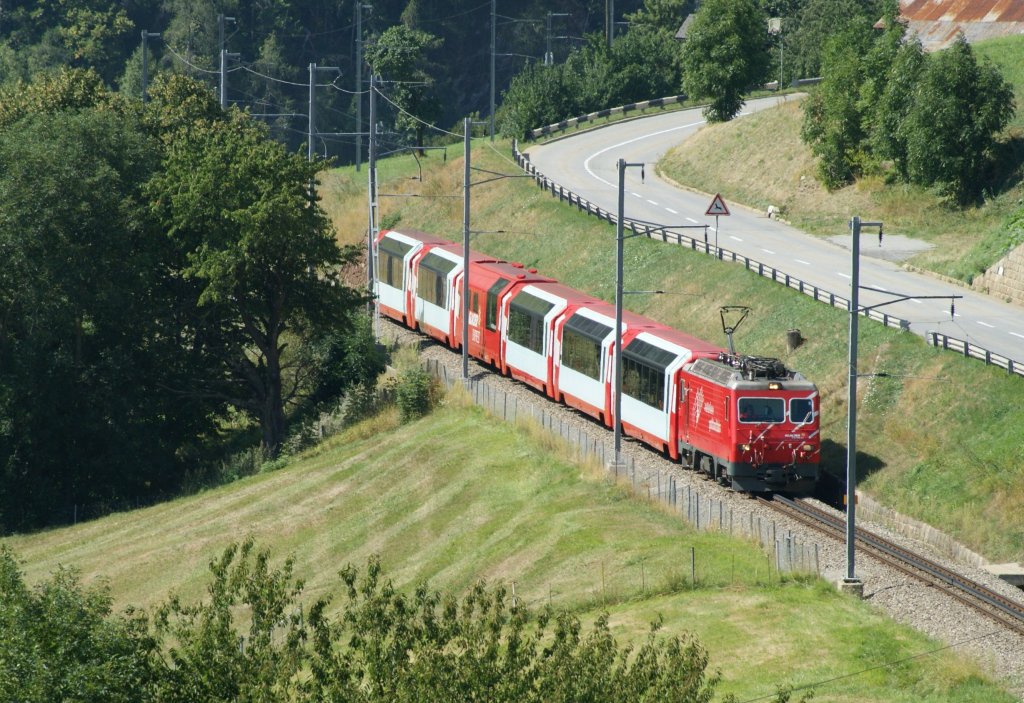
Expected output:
(390, 261)
(492, 302)
(581, 345)
(526, 321)
(433, 279)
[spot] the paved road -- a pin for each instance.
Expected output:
(586, 164)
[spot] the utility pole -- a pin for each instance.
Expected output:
(372, 182)
(145, 62)
(311, 111)
(494, 19)
(313, 68)
(611, 22)
(620, 237)
(359, 82)
(466, 128)
(224, 56)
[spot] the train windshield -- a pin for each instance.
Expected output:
(801, 410)
(762, 410)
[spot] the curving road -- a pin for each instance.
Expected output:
(586, 164)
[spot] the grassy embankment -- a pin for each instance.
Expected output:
(940, 442)
(459, 496)
(780, 171)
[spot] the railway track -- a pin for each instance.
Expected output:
(1002, 610)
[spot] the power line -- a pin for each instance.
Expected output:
(187, 62)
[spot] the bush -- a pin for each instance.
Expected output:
(414, 393)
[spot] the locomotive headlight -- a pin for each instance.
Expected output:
(745, 447)
(774, 386)
(808, 447)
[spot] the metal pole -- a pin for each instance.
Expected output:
(359, 82)
(465, 249)
(224, 79)
(312, 110)
(493, 28)
(611, 22)
(145, 62)
(618, 309)
(851, 429)
(548, 59)
(371, 168)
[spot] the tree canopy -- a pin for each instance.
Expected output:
(254, 638)
(166, 266)
(725, 54)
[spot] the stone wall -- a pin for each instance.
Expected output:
(1005, 279)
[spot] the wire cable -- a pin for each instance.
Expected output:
(409, 114)
(187, 62)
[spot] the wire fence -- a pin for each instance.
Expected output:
(702, 510)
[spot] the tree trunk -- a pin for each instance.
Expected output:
(272, 413)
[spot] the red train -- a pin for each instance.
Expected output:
(746, 421)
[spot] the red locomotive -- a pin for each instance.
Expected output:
(746, 421)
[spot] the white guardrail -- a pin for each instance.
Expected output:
(665, 234)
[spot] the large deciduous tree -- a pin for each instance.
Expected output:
(89, 333)
(262, 253)
(725, 54)
(959, 107)
(401, 57)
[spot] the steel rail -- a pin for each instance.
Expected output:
(1003, 610)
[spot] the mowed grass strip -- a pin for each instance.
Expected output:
(451, 498)
(459, 496)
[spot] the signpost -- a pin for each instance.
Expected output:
(717, 208)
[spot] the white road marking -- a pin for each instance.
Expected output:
(1017, 335)
(732, 236)
(844, 275)
(915, 300)
(768, 251)
(586, 164)
(672, 211)
(801, 261)
(985, 324)
(692, 220)
(652, 202)
(880, 288)
(636, 195)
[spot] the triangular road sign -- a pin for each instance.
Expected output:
(717, 206)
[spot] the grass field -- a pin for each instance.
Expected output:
(459, 496)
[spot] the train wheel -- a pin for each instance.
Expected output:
(706, 465)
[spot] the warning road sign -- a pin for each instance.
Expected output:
(717, 207)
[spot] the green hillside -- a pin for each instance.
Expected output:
(458, 496)
(938, 441)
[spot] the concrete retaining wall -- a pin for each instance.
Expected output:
(1005, 279)
(915, 529)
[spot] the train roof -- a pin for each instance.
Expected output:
(696, 345)
(511, 271)
(431, 239)
(560, 290)
(748, 372)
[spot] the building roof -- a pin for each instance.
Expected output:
(938, 22)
